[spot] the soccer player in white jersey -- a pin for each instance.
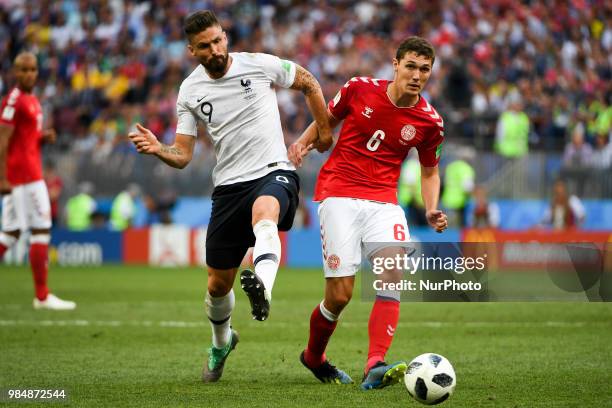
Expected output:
(357, 191)
(256, 187)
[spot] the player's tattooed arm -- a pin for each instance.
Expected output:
(5, 134)
(170, 150)
(177, 155)
(306, 82)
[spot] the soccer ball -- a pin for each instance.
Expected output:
(430, 379)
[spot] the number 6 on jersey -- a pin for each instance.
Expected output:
(375, 140)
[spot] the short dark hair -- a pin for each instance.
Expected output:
(199, 21)
(419, 46)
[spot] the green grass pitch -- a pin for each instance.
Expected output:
(139, 335)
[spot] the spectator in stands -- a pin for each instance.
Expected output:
(578, 153)
(565, 211)
(596, 112)
(55, 185)
(160, 206)
(96, 58)
(512, 134)
(602, 155)
(459, 179)
(490, 44)
(484, 214)
(123, 208)
(80, 208)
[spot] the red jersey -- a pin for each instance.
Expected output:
(375, 138)
(22, 111)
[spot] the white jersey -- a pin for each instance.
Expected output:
(241, 115)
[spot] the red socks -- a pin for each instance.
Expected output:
(3, 250)
(39, 261)
(321, 329)
(381, 328)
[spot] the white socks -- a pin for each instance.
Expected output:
(267, 253)
(389, 294)
(219, 311)
(266, 257)
(7, 240)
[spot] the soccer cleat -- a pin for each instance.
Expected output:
(52, 302)
(327, 373)
(383, 375)
(213, 367)
(256, 292)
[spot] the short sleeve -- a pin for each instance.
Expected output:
(281, 72)
(8, 112)
(187, 123)
(430, 149)
(339, 106)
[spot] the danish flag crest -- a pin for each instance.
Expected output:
(333, 262)
(408, 133)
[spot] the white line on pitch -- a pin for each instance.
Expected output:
(197, 324)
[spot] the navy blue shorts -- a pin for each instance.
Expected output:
(230, 232)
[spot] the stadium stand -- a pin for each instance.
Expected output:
(107, 64)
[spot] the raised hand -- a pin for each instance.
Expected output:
(49, 135)
(144, 140)
(437, 219)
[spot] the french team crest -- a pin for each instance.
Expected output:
(408, 133)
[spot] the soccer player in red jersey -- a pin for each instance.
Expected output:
(25, 202)
(357, 191)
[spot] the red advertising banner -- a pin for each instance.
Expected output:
(542, 249)
(173, 245)
(136, 246)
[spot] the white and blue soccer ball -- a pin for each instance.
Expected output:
(430, 379)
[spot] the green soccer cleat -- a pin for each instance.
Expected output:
(383, 375)
(213, 367)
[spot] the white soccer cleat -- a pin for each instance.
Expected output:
(52, 302)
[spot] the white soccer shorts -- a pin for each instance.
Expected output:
(348, 223)
(27, 207)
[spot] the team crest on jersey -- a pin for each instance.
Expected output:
(333, 262)
(248, 91)
(408, 133)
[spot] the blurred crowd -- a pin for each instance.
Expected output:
(106, 64)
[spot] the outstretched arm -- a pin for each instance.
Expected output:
(176, 155)
(306, 82)
(5, 135)
(309, 140)
(430, 191)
